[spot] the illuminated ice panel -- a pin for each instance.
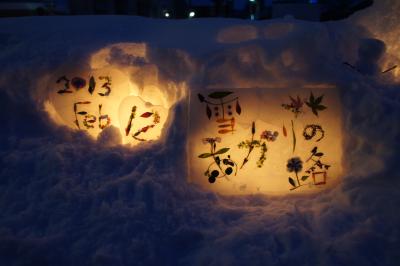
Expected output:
(271, 141)
(95, 100)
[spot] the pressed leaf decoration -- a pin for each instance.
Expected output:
(201, 97)
(224, 131)
(238, 108)
(208, 111)
(284, 131)
(66, 85)
(205, 155)
(92, 85)
(219, 94)
(315, 104)
(225, 169)
(106, 85)
(221, 151)
(146, 114)
(253, 143)
(304, 177)
(219, 106)
(131, 117)
(294, 137)
(291, 181)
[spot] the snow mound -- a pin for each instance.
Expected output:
(68, 199)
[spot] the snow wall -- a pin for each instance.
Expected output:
(69, 199)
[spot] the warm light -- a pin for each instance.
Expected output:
(124, 95)
(141, 121)
(272, 141)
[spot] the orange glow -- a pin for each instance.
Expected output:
(271, 120)
(92, 100)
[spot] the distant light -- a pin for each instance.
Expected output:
(166, 14)
(252, 17)
(192, 14)
(252, 1)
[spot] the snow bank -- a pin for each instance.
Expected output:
(67, 199)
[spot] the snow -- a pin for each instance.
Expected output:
(66, 199)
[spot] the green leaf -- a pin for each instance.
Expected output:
(205, 155)
(319, 99)
(217, 160)
(315, 104)
(201, 97)
(304, 177)
(291, 181)
(312, 97)
(208, 111)
(314, 150)
(221, 151)
(219, 94)
(294, 137)
(92, 85)
(238, 108)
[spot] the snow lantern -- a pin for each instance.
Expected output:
(93, 101)
(271, 141)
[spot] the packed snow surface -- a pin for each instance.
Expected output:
(67, 199)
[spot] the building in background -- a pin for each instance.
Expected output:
(299, 9)
(314, 10)
(14, 8)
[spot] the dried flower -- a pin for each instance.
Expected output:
(156, 118)
(269, 135)
(295, 106)
(294, 164)
(211, 140)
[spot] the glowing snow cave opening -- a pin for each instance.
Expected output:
(106, 95)
(271, 141)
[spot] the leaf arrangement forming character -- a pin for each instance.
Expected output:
(253, 143)
(295, 165)
(296, 106)
(225, 165)
(315, 104)
(156, 120)
(310, 131)
(218, 102)
(315, 157)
